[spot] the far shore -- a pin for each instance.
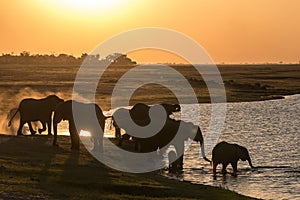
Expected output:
(242, 83)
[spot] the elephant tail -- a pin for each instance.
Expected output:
(9, 122)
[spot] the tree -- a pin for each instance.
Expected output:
(119, 59)
(25, 53)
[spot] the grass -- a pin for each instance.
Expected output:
(31, 168)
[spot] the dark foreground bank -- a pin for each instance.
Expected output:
(31, 168)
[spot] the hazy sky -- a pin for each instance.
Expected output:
(231, 31)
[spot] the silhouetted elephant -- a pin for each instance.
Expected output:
(36, 110)
(165, 135)
(226, 153)
(139, 113)
(84, 121)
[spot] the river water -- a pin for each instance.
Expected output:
(270, 131)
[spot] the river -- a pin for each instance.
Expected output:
(270, 131)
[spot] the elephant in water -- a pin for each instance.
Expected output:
(83, 120)
(36, 110)
(171, 128)
(226, 153)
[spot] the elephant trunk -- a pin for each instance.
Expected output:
(203, 152)
(250, 163)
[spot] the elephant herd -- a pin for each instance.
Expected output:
(139, 119)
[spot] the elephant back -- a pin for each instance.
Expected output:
(224, 151)
(139, 113)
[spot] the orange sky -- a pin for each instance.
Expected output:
(231, 31)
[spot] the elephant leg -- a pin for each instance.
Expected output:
(98, 144)
(117, 132)
(224, 165)
(180, 151)
(74, 136)
(124, 137)
(44, 127)
(49, 125)
(172, 162)
(32, 131)
(234, 166)
(179, 162)
(19, 132)
(215, 164)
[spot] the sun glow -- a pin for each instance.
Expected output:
(89, 4)
(86, 6)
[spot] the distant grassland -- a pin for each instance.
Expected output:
(242, 82)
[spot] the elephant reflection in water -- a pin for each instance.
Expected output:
(83, 120)
(225, 153)
(36, 110)
(173, 132)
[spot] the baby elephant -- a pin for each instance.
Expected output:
(226, 153)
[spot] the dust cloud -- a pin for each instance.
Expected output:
(9, 104)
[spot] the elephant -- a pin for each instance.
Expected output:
(140, 112)
(226, 153)
(36, 110)
(140, 115)
(165, 135)
(84, 121)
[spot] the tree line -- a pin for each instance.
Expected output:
(64, 59)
